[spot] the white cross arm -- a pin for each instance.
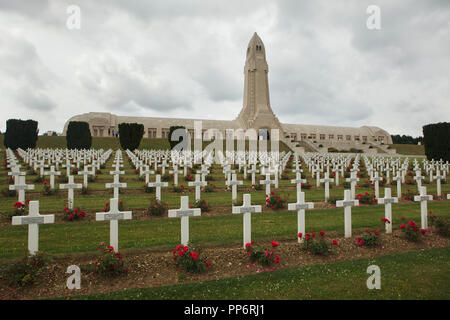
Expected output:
(251, 209)
(105, 216)
(423, 198)
(300, 206)
(347, 203)
(194, 212)
(41, 219)
(387, 200)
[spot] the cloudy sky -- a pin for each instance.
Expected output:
(185, 59)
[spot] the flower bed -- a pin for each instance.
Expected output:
(190, 259)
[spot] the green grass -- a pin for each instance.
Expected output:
(84, 236)
(410, 275)
(409, 149)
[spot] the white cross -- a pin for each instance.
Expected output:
(376, 180)
(52, 173)
(327, 181)
(158, 184)
(353, 179)
(388, 201)
(234, 183)
(423, 198)
(113, 216)
(116, 185)
(247, 209)
(267, 182)
(253, 171)
(398, 179)
(347, 203)
(15, 173)
(336, 175)
(175, 173)
(300, 206)
(85, 174)
(184, 212)
(418, 179)
(298, 180)
(204, 172)
(147, 173)
(70, 186)
(438, 178)
(33, 220)
(21, 186)
(198, 183)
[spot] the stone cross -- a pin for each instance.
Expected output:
(388, 201)
(85, 174)
(300, 206)
(298, 181)
(158, 184)
(68, 166)
(70, 186)
(353, 179)
(41, 167)
(204, 172)
(234, 183)
(113, 216)
(175, 173)
(376, 179)
(116, 185)
(347, 203)
(21, 186)
(398, 179)
(336, 176)
(253, 171)
(418, 177)
(33, 220)
(327, 181)
(147, 173)
(247, 209)
(198, 183)
(438, 178)
(267, 182)
(15, 173)
(52, 173)
(184, 212)
(423, 198)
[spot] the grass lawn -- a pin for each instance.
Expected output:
(409, 149)
(410, 275)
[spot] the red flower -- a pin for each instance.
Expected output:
(185, 249)
(274, 244)
(402, 226)
(335, 242)
(45, 182)
(272, 193)
(322, 233)
(208, 264)
(194, 255)
(248, 245)
(180, 253)
(423, 231)
(299, 234)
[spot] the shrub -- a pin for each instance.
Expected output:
(262, 255)
(369, 238)
(209, 187)
(166, 177)
(408, 195)
(257, 186)
(78, 135)
(203, 205)
(20, 209)
(436, 139)
(274, 201)
(306, 186)
(157, 208)
(316, 247)
(21, 134)
(190, 259)
(130, 135)
(178, 189)
(73, 214)
(441, 225)
(148, 189)
(412, 231)
(188, 178)
(366, 198)
(120, 205)
(24, 272)
(85, 190)
(47, 190)
(108, 263)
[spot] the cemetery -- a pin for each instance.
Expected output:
(258, 218)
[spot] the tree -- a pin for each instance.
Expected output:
(78, 135)
(21, 134)
(130, 135)
(436, 138)
(171, 130)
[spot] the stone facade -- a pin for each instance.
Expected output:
(256, 113)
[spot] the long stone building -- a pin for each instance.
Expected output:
(256, 114)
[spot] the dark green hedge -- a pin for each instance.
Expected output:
(436, 138)
(78, 135)
(130, 135)
(21, 134)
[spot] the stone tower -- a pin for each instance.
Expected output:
(256, 112)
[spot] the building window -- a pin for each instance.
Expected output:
(331, 136)
(356, 138)
(364, 138)
(303, 136)
(348, 138)
(380, 138)
(340, 137)
(312, 135)
(322, 137)
(152, 132)
(165, 133)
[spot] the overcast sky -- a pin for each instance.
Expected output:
(185, 59)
